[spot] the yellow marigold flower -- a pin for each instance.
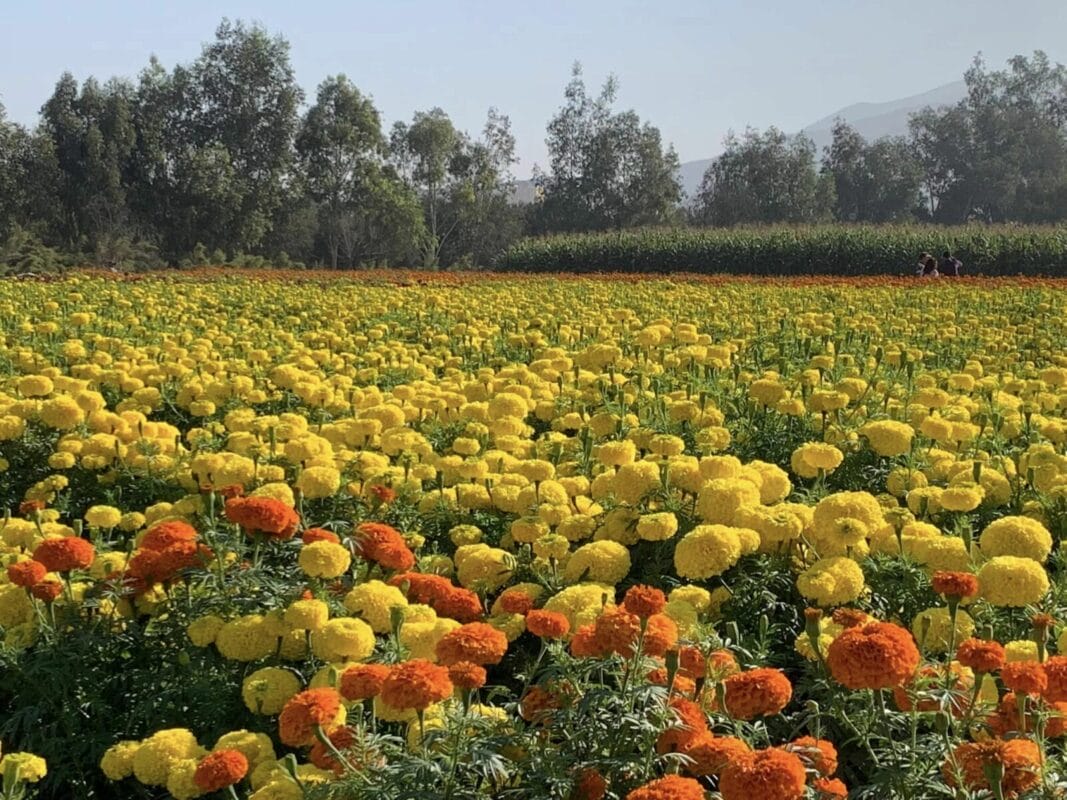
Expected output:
(105, 517)
(888, 437)
(203, 631)
(832, 581)
(707, 551)
(161, 752)
(932, 629)
(256, 747)
(324, 559)
(34, 386)
(1020, 650)
(307, 615)
(247, 638)
(581, 603)
(961, 497)
(1016, 536)
(117, 762)
(808, 459)
(374, 602)
(720, 499)
(1012, 581)
(25, 767)
(343, 639)
(267, 690)
(605, 562)
(318, 482)
(657, 527)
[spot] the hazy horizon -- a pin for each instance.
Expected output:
(695, 70)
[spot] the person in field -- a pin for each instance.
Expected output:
(950, 265)
(927, 267)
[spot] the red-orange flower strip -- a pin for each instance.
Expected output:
(670, 787)
(26, 573)
(1020, 760)
(264, 515)
(644, 601)
(1027, 677)
(476, 642)
(383, 544)
(876, 656)
(767, 774)
(220, 769)
(547, 624)
(304, 712)
(761, 692)
(65, 554)
(363, 681)
(981, 655)
(416, 684)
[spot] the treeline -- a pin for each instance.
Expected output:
(832, 249)
(223, 160)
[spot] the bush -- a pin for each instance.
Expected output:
(815, 250)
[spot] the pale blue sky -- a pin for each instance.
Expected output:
(695, 68)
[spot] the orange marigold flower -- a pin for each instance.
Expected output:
(848, 617)
(27, 508)
(830, 789)
(767, 774)
(584, 643)
(661, 635)
(26, 573)
(516, 601)
(1020, 760)
(47, 590)
(721, 663)
(955, 584)
(384, 494)
(617, 631)
(319, 535)
(876, 656)
(306, 711)
(711, 754)
(438, 592)
(65, 554)
(819, 754)
(363, 681)
(981, 655)
(467, 675)
(540, 701)
(548, 624)
(590, 785)
(644, 601)
(381, 543)
(761, 692)
(1027, 677)
(220, 769)
(926, 691)
(682, 685)
(476, 642)
(689, 724)
(670, 787)
(1056, 673)
(416, 684)
(164, 534)
(691, 662)
(263, 515)
(321, 756)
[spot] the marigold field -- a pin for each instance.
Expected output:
(397, 535)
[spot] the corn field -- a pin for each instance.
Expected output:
(815, 250)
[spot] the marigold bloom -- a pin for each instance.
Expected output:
(515, 601)
(1056, 673)
(876, 656)
(220, 769)
(955, 584)
(584, 643)
(759, 692)
(467, 675)
(819, 753)
(319, 535)
(383, 544)
(264, 515)
(767, 774)
(304, 712)
(711, 755)
(164, 534)
(547, 624)
(322, 757)
(691, 723)
(981, 655)
(1027, 677)
(363, 681)
(661, 635)
(416, 684)
(47, 590)
(644, 601)
(830, 789)
(476, 642)
(617, 631)
(1019, 759)
(65, 553)
(26, 573)
(670, 787)
(590, 785)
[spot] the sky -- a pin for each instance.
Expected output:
(694, 68)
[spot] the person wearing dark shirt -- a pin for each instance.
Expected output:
(950, 266)
(927, 266)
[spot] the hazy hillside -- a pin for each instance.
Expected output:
(873, 120)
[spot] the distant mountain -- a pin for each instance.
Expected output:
(872, 120)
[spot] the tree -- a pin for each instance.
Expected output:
(1000, 154)
(764, 178)
(607, 170)
(873, 182)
